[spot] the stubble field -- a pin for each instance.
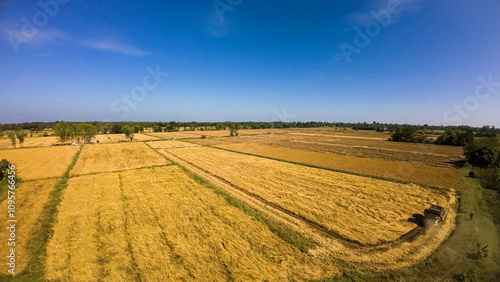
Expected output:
(125, 212)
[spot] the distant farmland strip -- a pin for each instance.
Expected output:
(408, 172)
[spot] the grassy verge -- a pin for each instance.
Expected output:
(459, 257)
(37, 246)
(288, 236)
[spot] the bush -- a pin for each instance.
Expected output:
(483, 152)
(472, 174)
(4, 166)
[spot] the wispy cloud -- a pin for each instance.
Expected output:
(115, 47)
(363, 16)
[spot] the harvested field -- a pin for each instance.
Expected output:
(29, 142)
(242, 132)
(113, 157)
(435, 155)
(360, 209)
(159, 225)
(36, 163)
(177, 134)
(417, 173)
(170, 144)
(30, 199)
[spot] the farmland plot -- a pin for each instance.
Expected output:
(31, 197)
(170, 144)
(118, 156)
(157, 224)
(417, 173)
(360, 209)
(176, 134)
(29, 142)
(36, 163)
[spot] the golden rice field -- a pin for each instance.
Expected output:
(170, 144)
(359, 208)
(31, 196)
(36, 163)
(157, 224)
(176, 134)
(29, 142)
(113, 138)
(409, 172)
(118, 156)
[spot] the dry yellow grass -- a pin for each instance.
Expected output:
(30, 199)
(417, 173)
(177, 134)
(358, 208)
(157, 224)
(29, 142)
(36, 163)
(170, 144)
(118, 156)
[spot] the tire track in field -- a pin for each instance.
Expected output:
(409, 236)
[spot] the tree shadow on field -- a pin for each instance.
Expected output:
(417, 218)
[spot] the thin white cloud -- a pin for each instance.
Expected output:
(115, 47)
(364, 16)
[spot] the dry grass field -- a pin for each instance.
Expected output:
(357, 146)
(30, 196)
(177, 134)
(36, 163)
(409, 172)
(29, 142)
(362, 209)
(113, 138)
(113, 157)
(160, 225)
(170, 144)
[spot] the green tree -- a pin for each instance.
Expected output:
(4, 166)
(233, 129)
(64, 131)
(482, 152)
(21, 135)
(85, 131)
(12, 137)
(129, 131)
(455, 137)
(2, 133)
(408, 134)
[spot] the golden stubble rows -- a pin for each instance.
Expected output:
(170, 144)
(157, 224)
(113, 157)
(359, 208)
(31, 197)
(36, 163)
(409, 172)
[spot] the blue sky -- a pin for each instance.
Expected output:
(431, 62)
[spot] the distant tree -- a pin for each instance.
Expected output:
(85, 132)
(220, 126)
(233, 129)
(2, 133)
(12, 137)
(116, 128)
(21, 135)
(64, 131)
(157, 128)
(455, 137)
(482, 152)
(129, 131)
(408, 134)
